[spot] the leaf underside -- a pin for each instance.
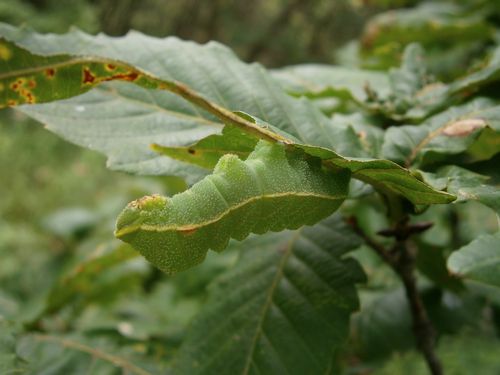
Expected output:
(124, 120)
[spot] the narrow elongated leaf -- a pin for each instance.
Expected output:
(270, 191)
(479, 260)
(283, 309)
(450, 132)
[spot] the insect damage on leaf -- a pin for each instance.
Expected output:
(463, 128)
(271, 191)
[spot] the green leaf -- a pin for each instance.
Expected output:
(404, 93)
(384, 175)
(382, 325)
(488, 72)
(283, 309)
(479, 260)
(51, 354)
(448, 133)
(10, 362)
(407, 93)
(431, 262)
(270, 191)
(414, 97)
(212, 70)
(371, 136)
(121, 121)
(430, 23)
(466, 186)
(327, 80)
(80, 280)
(127, 143)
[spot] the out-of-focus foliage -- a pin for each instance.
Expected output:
(453, 33)
(463, 354)
(51, 15)
(275, 32)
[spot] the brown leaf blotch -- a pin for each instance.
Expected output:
(463, 128)
(88, 77)
(50, 73)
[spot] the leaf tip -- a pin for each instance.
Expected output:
(131, 218)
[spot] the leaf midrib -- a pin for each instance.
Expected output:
(199, 119)
(269, 300)
(192, 227)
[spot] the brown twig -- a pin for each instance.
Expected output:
(422, 326)
(401, 258)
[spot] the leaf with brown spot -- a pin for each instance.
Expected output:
(444, 135)
(207, 152)
(463, 128)
(286, 120)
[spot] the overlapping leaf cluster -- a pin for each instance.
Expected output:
(274, 151)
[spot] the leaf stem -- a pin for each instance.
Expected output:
(422, 327)
(401, 258)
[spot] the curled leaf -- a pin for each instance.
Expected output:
(271, 191)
